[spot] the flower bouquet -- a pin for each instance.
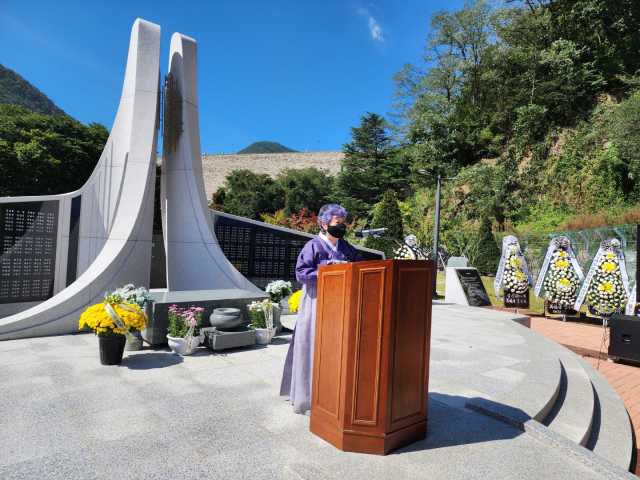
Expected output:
(184, 329)
(262, 320)
(606, 294)
(561, 284)
(113, 321)
(132, 295)
(278, 290)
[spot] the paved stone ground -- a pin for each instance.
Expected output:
(587, 341)
(159, 416)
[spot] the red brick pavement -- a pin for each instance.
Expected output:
(586, 341)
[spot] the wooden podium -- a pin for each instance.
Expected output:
(371, 357)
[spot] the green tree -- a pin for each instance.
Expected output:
(387, 215)
(46, 154)
(370, 166)
(488, 253)
(251, 194)
(306, 187)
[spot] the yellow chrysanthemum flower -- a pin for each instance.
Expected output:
(562, 254)
(606, 287)
(564, 282)
(97, 319)
(610, 255)
(608, 267)
(294, 301)
(562, 263)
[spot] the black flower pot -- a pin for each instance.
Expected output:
(111, 350)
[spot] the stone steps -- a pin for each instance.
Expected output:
(612, 435)
(566, 402)
(572, 415)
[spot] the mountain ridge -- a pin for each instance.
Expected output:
(16, 90)
(266, 147)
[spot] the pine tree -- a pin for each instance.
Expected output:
(388, 215)
(488, 251)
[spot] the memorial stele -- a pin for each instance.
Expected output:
(69, 249)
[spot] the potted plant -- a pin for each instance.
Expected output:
(133, 295)
(277, 291)
(262, 321)
(184, 329)
(114, 321)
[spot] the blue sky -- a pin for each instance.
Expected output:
(294, 72)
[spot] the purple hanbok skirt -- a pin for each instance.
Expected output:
(298, 367)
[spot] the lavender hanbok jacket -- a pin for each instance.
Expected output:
(298, 368)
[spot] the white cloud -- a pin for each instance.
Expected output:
(374, 28)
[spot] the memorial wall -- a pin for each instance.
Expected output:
(259, 251)
(28, 234)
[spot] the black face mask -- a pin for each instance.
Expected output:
(337, 231)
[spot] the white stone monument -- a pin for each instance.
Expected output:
(194, 258)
(102, 239)
(114, 208)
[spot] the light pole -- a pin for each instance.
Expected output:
(436, 233)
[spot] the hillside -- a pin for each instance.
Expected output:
(15, 90)
(266, 147)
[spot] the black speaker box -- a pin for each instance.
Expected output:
(624, 337)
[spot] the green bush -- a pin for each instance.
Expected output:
(488, 255)
(388, 215)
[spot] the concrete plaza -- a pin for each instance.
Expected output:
(159, 416)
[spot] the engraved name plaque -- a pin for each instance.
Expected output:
(28, 233)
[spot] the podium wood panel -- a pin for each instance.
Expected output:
(371, 357)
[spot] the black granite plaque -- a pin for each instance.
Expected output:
(516, 300)
(473, 288)
(553, 310)
(28, 234)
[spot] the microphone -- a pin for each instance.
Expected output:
(373, 231)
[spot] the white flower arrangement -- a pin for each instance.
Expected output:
(411, 251)
(606, 294)
(131, 294)
(561, 284)
(262, 313)
(514, 280)
(278, 289)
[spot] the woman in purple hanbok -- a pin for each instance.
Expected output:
(327, 248)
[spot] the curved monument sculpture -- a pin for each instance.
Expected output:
(194, 258)
(105, 228)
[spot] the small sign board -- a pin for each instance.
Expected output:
(516, 300)
(473, 287)
(553, 310)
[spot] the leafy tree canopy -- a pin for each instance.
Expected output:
(308, 188)
(371, 165)
(250, 194)
(45, 155)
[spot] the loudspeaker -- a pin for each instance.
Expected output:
(624, 337)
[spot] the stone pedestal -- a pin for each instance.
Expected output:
(157, 309)
(217, 340)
